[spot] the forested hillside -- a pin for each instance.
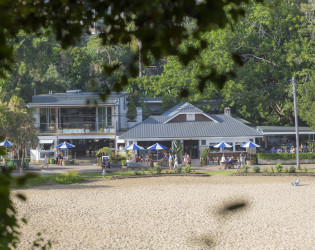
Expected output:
(272, 43)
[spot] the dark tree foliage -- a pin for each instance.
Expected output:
(158, 25)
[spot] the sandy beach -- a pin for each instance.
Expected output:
(172, 213)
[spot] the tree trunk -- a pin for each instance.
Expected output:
(140, 57)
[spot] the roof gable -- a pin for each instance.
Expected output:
(179, 114)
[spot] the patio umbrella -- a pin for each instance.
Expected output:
(222, 145)
(65, 145)
(157, 146)
(133, 147)
(250, 145)
(5, 143)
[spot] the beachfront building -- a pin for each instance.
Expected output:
(81, 118)
(193, 127)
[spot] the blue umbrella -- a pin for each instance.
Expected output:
(65, 145)
(250, 145)
(222, 145)
(5, 143)
(133, 147)
(157, 146)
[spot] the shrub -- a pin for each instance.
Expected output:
(123, 162)
(265, 170)
(292, 169)
(187, 169)
(194, 171)
(166, 171)
(151, 170)
(68, 178)
(123, 158)
(257, 169)
(305, 169)
(178, 170)
(286, 170)
(158, 169)
(279, 167)
(143, 170)
(245, 168)
(272, 170)
(137, 172)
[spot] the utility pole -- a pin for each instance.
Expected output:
(296, 127)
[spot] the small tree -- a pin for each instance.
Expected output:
(104, 151)
(132, 111)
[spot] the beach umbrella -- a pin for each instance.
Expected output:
(65, 145)
(157, 146)
(5, 143)
(250, 145)
(222, 145)
(133, 147)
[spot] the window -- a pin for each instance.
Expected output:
(203, 142)
(190, 117)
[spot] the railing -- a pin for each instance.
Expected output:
(82, 130)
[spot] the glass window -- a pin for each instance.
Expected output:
(203, 142)
(190, 117)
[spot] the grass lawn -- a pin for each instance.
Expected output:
(74, 177)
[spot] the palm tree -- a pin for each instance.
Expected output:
(178, 150)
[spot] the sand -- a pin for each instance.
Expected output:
(172, 213)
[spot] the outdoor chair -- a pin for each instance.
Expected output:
(297, 183)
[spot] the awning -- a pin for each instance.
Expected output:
(46, 141)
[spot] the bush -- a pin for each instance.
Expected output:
(257, 169)
(245, 168)
(123, 162)
(286, 170)
(51, 160)
(158, 169)
(68, 178)
(265, 170)
(187, 169)
(151, 170)
(123, 158)
(279, 167)
(137, 172)
(292, 169)
(272, 170)
(178, 170)
(305, 169)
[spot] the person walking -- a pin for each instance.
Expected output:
(176, 162)
(222, 162)
(45, 162)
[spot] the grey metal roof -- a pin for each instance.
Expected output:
(74, 99)
(184, 107)
(153, 127)
(282, 129)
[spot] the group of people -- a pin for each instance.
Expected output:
(291, 149)
(229, 161)
(106, 167)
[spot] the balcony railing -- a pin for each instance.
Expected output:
(51, 129)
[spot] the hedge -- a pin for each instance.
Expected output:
(285, 156)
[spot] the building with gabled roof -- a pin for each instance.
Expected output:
(193, 127)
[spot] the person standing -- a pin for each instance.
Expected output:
(176, 162)
(170, 160)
